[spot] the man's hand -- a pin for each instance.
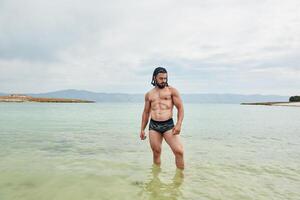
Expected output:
(176, 130)
(143, 135)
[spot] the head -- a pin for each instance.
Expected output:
(160, 77)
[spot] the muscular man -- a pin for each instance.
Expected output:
(159, 103)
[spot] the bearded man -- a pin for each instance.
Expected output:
(159, 103)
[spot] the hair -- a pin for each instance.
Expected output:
(157, 71)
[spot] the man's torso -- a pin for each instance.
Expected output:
(161, 103)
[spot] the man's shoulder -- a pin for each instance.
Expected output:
(173, 89)
(147, 94)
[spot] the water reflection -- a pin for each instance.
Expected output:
(155, 189)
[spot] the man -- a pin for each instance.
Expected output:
(159, 103)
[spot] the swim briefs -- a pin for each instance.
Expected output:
(161, 126)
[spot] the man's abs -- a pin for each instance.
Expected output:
(161, 115)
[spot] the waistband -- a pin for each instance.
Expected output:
(169, 120)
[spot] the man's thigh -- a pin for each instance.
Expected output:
(155, 139)
(173, 141)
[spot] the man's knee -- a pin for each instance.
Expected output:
(156, 151)
(178, 151)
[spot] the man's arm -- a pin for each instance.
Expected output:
(180, 114)
(145, 116)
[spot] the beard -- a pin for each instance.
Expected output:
(161, 86)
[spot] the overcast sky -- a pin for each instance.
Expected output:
(207, 46)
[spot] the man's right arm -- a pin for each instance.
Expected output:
(145, 117)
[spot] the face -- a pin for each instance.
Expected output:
(161, 80)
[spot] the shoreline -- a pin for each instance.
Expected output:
(290, 104)
(24, 98)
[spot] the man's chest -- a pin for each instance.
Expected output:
(161, 96)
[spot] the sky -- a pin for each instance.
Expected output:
(207, 46)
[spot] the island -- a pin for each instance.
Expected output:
(293, 101)
(25, 98)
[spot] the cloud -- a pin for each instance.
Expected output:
(207, 46)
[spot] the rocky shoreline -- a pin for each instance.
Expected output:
(25, 98)
(293, 104)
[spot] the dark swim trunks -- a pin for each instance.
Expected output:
(161, 126)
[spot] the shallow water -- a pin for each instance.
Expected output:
(93, 151)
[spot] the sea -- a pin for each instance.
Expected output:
(92, 151)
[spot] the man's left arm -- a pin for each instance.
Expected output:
(180, 111)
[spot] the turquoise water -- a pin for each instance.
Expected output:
(93, 151)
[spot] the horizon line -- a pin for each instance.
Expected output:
(82, 90)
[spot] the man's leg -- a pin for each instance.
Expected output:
(155, 139)
(176, 146)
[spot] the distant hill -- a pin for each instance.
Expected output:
(93, 96)
(187, 98)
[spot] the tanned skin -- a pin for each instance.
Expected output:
(159, 103)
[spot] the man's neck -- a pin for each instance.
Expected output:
(158, 88)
